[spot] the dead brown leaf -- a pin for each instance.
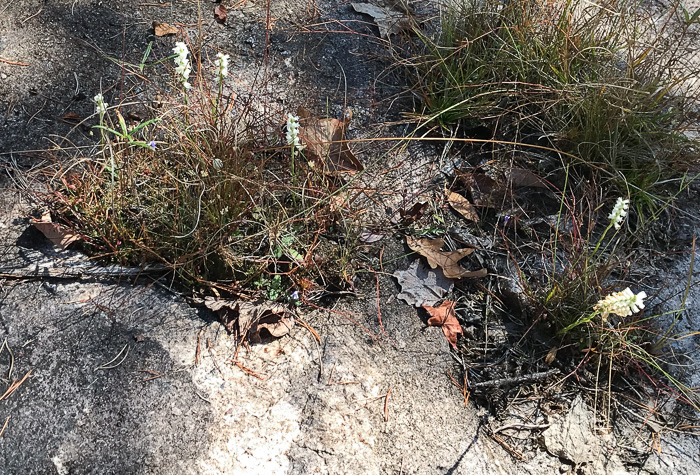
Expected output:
(325, 144)
(421, 285)
(444, 316)
(164, 29)
(389, 21)
(71, 118)
(551, 355)
(220, 14)
(58, 235)
(412, 214)
(448, 261)
(485, 191)
(254, 321)
(521, 177)
(462, 205)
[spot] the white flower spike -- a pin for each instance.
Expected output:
(619, 212)
(221, 63)
(622, 304)
(293, 131)
(100, 104)
(182, 64)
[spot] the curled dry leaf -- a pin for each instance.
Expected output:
(444, 317)
(448, 261)
(412, 214)
(390, 22)
(249, 319)
(369, 237)
(325, 144)
(59, 235)
(485, 191)
(220, 14)
(462, 205)
(551, 355)
(164, 29)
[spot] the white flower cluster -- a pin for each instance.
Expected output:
(293, 131)
(100, 104)
(619, 212)
(183, 68)
(622, 304)
(221, 63)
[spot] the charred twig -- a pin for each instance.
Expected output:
(529, 378)
(48, 269)
(517, 426)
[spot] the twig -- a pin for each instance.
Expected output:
(16, 63)
(107, 364)
(155, 374)
(529, 378)
(46, 269)
(386, 406)
(317, 341)
(505, 445)
(4, 426)
(213, 357)
(13, 387)
(462, 387)
(12, 358)
(520, 426)
(198, 351)
(32, 16)
(249, 371)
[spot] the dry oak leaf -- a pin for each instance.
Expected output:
(444, 316)
(220, 14)
(390, 22)
(325, 144)
(448, 261)
(462, 205)
(250, 319)
(485, 191)
(164, 29)
(521, 177)
(421, 285)
(59, 235)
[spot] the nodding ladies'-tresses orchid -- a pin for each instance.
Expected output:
(622, 304)
(183, 67)
(619, 212)
(100, 105)
(293, 131)
(221, 63)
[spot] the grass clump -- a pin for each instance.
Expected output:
(591, 312)
(598, 100)
(209, 189)
(592, 80)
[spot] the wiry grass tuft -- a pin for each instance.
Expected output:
(589, 79)
(210, 189)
